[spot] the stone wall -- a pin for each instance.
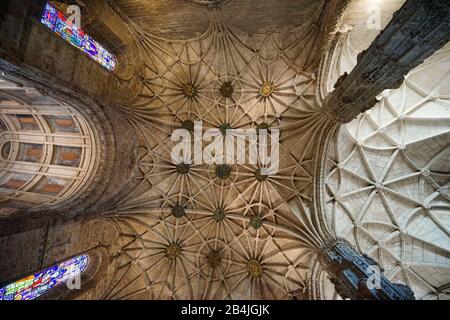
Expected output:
(31, 251)
(115, 158)
(31, 55)
(31, 50)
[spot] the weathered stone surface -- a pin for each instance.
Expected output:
(358, 277)
(417, 30)
(216, 212)
(33, 250)
(186, 19)
(30, 50)
(114, 151)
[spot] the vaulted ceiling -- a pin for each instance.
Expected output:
(183, 19)
(189, 231)
(205, 231)
(186, 231)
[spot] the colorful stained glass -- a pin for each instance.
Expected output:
(39, 283)
(58, 23)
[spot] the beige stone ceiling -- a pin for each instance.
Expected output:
(237, 237)
(181, 19)
(388, 180)
(184, 232)
(213, 249)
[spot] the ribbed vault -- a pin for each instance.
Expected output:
(210, 231)
(388, 180)
(227, 231)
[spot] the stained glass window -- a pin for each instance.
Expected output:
(39, 283)
(58, 23)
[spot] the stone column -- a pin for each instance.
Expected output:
(417, 30)
(358, 277)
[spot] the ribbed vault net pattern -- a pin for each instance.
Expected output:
(388, 184)
(211, 232)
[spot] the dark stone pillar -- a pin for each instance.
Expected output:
(416, 31)
(358, 277)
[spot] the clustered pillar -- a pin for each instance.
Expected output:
(358, 277)
(417, 30)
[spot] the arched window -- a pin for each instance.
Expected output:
(41, 283)
(59, 24)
